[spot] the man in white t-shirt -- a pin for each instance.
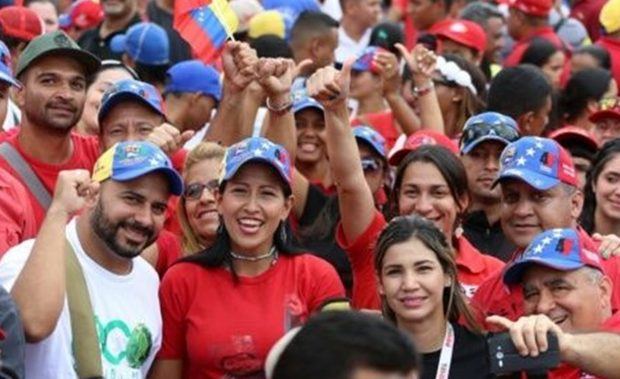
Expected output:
(123, 208)
(358, 18)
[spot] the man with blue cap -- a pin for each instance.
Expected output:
(192, 92)
(483, 139)
(567, 293)
(121, 210)
(539, 191)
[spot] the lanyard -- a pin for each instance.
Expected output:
(445, 358)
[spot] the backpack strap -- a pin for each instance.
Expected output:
(23, 169)
(86, 350)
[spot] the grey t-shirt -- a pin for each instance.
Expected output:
(12, 342)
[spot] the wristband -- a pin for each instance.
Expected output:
(424, 90)
(280, 110)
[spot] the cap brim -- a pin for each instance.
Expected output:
(467, 149)
(120, 97)
(398, 156)
(600, 115)
(229, 174)
(89, 62)
(514, 273)
(540, 182)
(302, 106)
(9, 79)
(174, 179)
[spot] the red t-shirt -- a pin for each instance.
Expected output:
(545, 32)
(383, 122)
(169, 250)
(85, 154)
(473, 268)
(17, 221)
(587, 11)
(222, 329)
(612, 324)
(612, 45)
(495, 298)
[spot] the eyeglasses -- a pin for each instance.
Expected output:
(609, 103)
(370, 165)
(194, 191)
(474, 131)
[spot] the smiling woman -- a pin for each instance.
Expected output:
(240, 295)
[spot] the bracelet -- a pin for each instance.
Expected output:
(282, 109)
(421, 91)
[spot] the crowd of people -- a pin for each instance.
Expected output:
(351, 189)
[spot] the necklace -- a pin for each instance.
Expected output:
(272, 252)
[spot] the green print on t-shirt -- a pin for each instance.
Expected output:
(139, 342)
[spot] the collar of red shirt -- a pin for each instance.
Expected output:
(468, 256)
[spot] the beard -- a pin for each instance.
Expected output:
(107, 231)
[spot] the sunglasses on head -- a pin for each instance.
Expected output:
(370, 165)
(478, 130)
(194, 191)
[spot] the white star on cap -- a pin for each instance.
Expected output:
(153, 162)
(546, 241)
(538, 249)
(539, 145)
(530, 152)
(521, 161)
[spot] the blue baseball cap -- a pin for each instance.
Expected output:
(540, 162)
(145, 43)
(487, 126)
(6, 71)
(305, 103)
(194, 76)
(130, 89)
(364, 61)
(256, 149)
(559, 249)
(133, 159)
(372, 138)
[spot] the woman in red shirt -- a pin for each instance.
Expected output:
(225, 307)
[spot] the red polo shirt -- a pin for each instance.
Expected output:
(545, 32)
(495, 298)
(612, 45)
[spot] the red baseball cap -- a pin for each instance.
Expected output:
(573, 133)
(540, 8)
(20, 22)
(420, 138)
(607, 108)
(464, 32)
(83, 14)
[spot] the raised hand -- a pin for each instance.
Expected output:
(329, 86)
(239, 63)
(73, 189)
(421, 61)
(168, 138)
(388, 66)
(276, 75)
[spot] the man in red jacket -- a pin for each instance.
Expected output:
(527, 20)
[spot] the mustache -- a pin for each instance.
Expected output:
(135, 225)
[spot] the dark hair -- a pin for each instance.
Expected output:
(582, 87)
(480, 12)
(310, 24)
(218, 254)
(597, 52)
(386, 35)
(153, 74)
(111, 64)
(405, 228)
(333, 344)
(518, 90)
(271, 46)
(448, 164)
(607, 153)
(539, 52)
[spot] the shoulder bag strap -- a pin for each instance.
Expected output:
(86, 350)
(19, 165)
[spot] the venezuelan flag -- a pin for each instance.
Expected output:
(205, 25)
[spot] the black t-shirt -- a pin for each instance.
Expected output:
(488, 239)
(319, 239)
(469, 357)
(179, 49)
(92, 42)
